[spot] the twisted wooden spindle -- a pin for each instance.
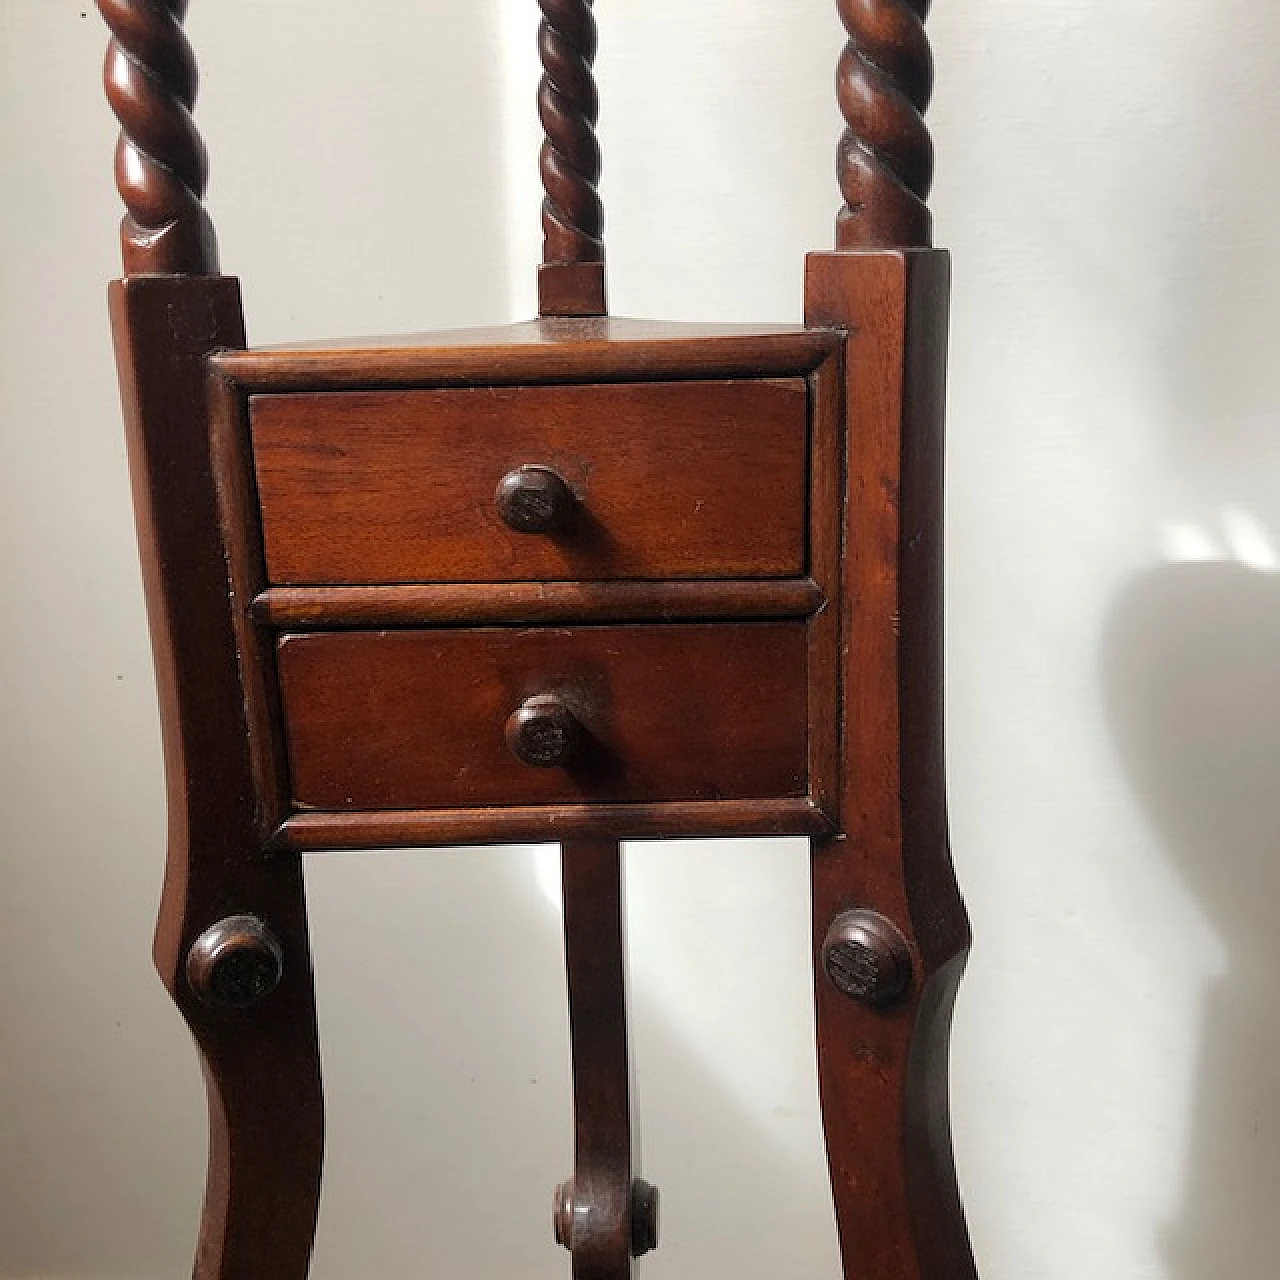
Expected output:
(884, 84)
(572, 279)
(161, 165)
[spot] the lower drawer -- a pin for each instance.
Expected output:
(463, 718)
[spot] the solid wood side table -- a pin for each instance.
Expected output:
(578, 580)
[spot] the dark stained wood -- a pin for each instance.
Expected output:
(416, 719)
(572, 289)
(535, 500)
(885, 164)
(867, 958)
(572, 215)
(595, 962)
(541, 352)
(416, 829)
(544, 733)
(261, 1064)
(469, 602)
(235, 963)
(826, 551)
(715, 555)
(161, 168)
(672, 480)
(238, 509)
(883, 1072)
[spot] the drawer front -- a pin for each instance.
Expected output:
(439, 719)
(663, 480)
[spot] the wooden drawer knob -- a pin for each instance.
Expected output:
(235, 963)
(543, 733)
(535, 500)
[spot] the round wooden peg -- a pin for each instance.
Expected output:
(236, 963)
(645, 1215)
(867, 958)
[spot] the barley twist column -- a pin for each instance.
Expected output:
(161, 165)
(572, 278)
(884, 84)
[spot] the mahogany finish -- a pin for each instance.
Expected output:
(388, 720)
(261, 1064)
(306, 832)
(235, 963)
(884, 85)
(161, 166)
(668, 480)
(536, 353)
(593, 1215)
(535, 500)
(867, 958)
(544, 733)
(471, 602)
(883, 1074)
(581, 579)
(571, 281)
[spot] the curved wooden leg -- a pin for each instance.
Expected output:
(247, 994)
(883, 1077)
(261, 1060)
(890, 931)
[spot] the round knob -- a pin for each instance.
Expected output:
(645, 1202)
(534, 500)
(867, 958)
(543, 733)
(236, 963)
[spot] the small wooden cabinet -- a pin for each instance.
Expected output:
(626, 530)
(579, 580)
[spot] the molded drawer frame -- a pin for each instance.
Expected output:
(263, 612)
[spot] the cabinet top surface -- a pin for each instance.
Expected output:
(546, 332)
(558, 350)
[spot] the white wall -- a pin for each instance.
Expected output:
(1107, 175)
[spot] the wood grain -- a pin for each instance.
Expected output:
(261, 1065)
(569, 105)
(571, 281)
(595, 966)
(726, 621)
(415, 719)
(536, 353)
(316, 832)
(883, 1072)
(161, 166)
(529, 602)
(884, 84)
(672, 480)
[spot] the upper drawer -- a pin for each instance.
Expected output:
(665, 480)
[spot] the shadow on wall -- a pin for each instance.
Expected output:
(1191, 669)
(1191, 652)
